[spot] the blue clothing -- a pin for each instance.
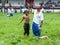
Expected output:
(35, 29)
(11, 14)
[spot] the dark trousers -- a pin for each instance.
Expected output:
(26, 29)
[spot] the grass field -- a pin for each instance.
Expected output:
(12, 34)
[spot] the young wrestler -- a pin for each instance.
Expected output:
(26, 23)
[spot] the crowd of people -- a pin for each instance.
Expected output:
(50, 3)
(45, 4)
(11, 10)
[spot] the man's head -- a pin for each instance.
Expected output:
(38, 8)
(26, 12)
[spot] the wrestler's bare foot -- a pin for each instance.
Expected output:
(44, 37)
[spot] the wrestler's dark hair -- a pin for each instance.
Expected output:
(26, 11)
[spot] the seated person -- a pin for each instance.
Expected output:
(10, 11)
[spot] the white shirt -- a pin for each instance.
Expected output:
(42, 10)
(23, 9)
(38, 18)
(10, 10)
(33, 10)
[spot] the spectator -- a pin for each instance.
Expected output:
(10, 10)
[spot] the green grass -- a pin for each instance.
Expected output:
(12, 34)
